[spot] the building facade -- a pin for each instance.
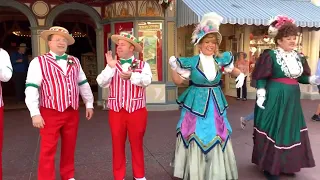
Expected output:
(165, 31)
(152, 22)
(244, 29)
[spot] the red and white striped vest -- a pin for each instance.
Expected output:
(59, 91)
(1, 99)
(124, 94)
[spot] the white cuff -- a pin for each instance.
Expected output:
(146, 81)
(229, 68)
(313, 80)
(89, 105)
(261, 92)
(112, 70)
(34, 112)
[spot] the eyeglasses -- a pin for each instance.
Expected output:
(60, 40)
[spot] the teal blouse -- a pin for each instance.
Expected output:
(195, 98)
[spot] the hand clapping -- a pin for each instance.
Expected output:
(110, 60)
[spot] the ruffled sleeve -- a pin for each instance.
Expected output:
(304, 78)
(187, 62)
(226, 60)
(263, 69)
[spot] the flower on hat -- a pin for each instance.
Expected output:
(277, 22)
(129, 36)
(209, 24)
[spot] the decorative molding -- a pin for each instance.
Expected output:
(73, 6)
(150, 8)
(22, 8)
(40, 8)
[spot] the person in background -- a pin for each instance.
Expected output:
(316, 116)
(243, 64)
(249, 117)
(5, 76)
(20, 65)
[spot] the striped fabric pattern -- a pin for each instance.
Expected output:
(249, 12)
(124, 94)
(59, 91)
(1, 100)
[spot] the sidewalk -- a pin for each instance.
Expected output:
(94, 152)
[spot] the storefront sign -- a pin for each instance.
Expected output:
(149, 27)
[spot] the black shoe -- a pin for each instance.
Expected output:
(315, 117)
(270, 176)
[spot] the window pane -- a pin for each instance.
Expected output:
(150, 35)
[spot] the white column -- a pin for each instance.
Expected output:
(309, 91)
(100, 59)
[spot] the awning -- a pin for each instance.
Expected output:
(250, 12)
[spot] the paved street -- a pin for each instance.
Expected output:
(93, 155)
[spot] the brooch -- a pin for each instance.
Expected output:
(134, 65)
(70, 62)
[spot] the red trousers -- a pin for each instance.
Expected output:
(135, 124)
(1, 139)
(64, 124)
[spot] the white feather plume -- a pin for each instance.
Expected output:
(212, 19)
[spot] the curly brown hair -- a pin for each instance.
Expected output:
(286, 30)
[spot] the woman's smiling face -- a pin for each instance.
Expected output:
(208, 45)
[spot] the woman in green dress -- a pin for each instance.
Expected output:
(281, 142)
(203, 146)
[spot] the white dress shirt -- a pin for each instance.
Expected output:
(35, 77)
(5, 66)
(142, 79)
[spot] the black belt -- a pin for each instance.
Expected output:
(202, 85)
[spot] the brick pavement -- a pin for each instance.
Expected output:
(93, 154)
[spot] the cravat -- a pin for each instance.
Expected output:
(63, 57)
(122, 61)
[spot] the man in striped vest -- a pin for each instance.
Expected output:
(5, 76)
(127, 80)
(54, 82)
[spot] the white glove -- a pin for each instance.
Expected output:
(240, 80)
(173, 62)
(185, 73)
(261, 94)
(314, 80)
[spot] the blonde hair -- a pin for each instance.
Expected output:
(211, 36)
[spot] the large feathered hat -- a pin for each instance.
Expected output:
(277, 22)
(209, 24)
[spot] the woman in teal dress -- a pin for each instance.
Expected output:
(203, 146)
(281, 142)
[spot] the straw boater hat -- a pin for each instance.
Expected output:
(210, 23)
(127, 37)
(59, 31)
